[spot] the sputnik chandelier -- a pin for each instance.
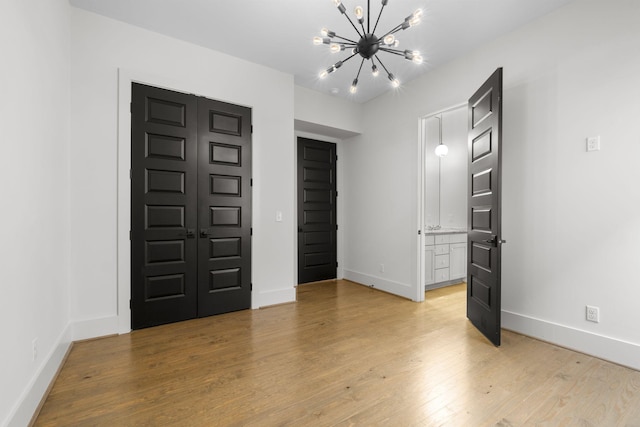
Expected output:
(368, 45)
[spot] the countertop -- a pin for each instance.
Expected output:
(446, 231)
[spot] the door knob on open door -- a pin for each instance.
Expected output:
(494, 241)
(204, 232)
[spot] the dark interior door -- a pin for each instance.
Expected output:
(224, 207)
(484, 226)
(163, 206)
(190, 207)
(317, 228)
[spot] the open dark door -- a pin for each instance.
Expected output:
(484, 217)
(317, 249)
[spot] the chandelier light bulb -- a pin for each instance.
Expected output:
(337, 2)
(317, 41)
(417, 59)
(324, 32)
(396, 43)
(323, 74)
(354, 86)
(359, 12)
(334, 47)
(442, 150)
(389, 39)
(394, 82)
(415, 17)
(374, 71)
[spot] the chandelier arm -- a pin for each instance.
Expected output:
(360, 69)
(385, 68)
(394, 51)
(391, 31)
(346, 39)
(352, 24)
(378, 20)
(368, 17)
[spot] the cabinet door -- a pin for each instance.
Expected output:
(429, 265)
(458, 260)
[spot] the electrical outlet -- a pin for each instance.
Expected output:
(593, 314)
(34, 349)
(381, 268)
(593, 143)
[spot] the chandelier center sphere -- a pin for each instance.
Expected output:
(368, 45)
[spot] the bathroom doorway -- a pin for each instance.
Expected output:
(444, 181)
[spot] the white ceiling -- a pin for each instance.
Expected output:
(279, 33)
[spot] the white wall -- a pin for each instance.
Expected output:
(319, 113)
(34, 124)
(570, 217)
(103, 49)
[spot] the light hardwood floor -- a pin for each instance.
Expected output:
(346, 355)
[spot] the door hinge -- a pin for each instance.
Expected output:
(336, 264)
(250, 286)
(336, 226)
(251, 128)
(130, 304)
(251, 182)
(419, 232)
(336, 194)
(130, 174)
(251, 231)
(130, 234)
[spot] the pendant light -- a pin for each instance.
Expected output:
(441, 149)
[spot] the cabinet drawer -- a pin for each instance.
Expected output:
(429, 240)
(458, 238)
(442, 275)
(442, 261)
(442, 249)
(442, 238)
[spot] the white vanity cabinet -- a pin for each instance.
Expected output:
(445, 258)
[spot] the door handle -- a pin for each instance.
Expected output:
(204, 232)
(494, 241)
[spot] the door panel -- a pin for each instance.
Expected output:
(163, 206)
(484, 217)
(317, 248)
(224, 207)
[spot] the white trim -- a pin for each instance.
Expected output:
(278, 296)
(610, 349)
(32, 396)
(94, 328)
(401, 289)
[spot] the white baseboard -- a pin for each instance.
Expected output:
(35, 391)
(93, 328)
(401, 289)
(278, 296)
(611, 349)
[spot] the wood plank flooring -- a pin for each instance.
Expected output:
(343, 355)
